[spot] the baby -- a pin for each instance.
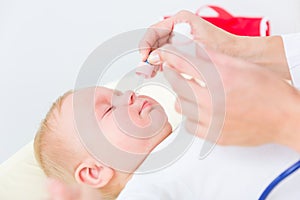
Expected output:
(62, 156)
(227, 173)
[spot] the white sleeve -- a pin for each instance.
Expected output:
(144, 192)
(160, 189)
(291, 44)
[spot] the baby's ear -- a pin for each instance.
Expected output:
(93, 174)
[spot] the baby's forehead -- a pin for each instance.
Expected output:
(86, 99)
(85, 96)
(96, 92)
(103, 94)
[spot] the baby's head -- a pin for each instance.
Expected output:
(61, 154)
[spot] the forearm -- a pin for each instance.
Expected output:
(264, 51)
(289, 133)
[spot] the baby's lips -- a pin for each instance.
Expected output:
(146, 70)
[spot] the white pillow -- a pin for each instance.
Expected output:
(22, 178)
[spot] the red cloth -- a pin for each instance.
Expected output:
(246, 26)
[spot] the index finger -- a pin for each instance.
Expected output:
(155, 36)
(158, 34)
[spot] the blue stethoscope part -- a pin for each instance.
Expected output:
(278, 179)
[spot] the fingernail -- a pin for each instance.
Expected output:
(200, 82)
(154, 58)
(186, 76)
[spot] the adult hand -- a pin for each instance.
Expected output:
(203, 32)
(259, 106)
(267, 52)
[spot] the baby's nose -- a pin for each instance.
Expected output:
(127, 98)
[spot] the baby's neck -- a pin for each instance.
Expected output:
(117, 184)
(125, 177)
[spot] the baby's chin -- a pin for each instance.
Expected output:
(166, 131)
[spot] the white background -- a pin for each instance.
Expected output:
(44, 43)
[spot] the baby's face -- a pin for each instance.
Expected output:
(130, 122)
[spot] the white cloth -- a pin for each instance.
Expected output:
(292, 51)
(227, 173)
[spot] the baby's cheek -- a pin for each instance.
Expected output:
(125, 120)
(138, 120)
(122, 139)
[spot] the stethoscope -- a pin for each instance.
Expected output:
(278, 179)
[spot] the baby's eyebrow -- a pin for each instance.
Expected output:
(117, 92)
